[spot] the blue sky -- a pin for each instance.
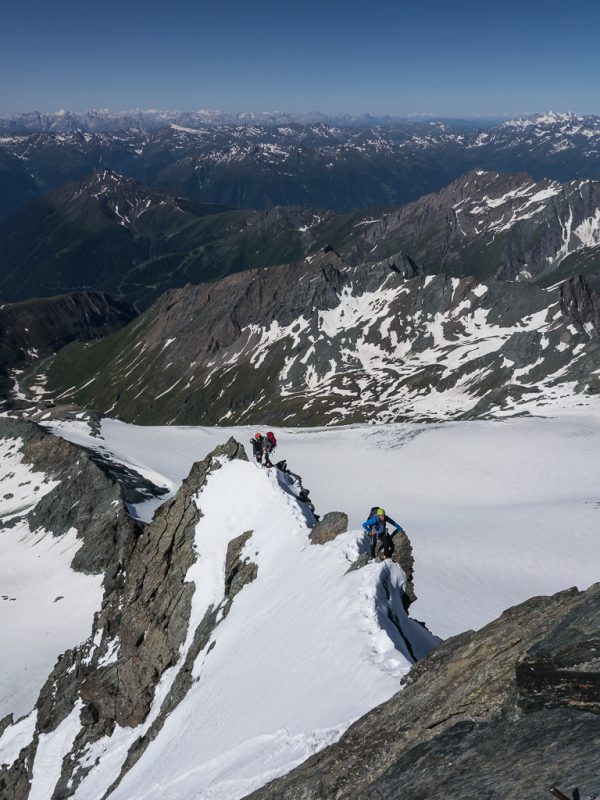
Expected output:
(397, 58)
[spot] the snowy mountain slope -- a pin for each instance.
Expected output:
(45, 606)
(508, 710)
(320, 342)
(486, 224)
(226, 644)
(496, 511)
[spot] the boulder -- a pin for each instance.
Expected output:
(326, 530)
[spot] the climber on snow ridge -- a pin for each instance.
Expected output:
(376, 529)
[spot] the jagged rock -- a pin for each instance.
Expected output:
(145, 611)
(85, 498)
(403, 555)
(361, 561)
(238, 573)
(468, 724)
(326, 530)
(88, 500)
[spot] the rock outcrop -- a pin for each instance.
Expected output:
(139, 631)
(326, 529)
(87, 499)
(506, 711)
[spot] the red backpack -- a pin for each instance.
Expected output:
(272, 439)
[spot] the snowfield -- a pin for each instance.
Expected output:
(45, 607)
(497, 511)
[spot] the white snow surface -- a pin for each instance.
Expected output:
(45, 606)
(497, 511)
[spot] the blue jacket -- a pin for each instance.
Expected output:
(376, 526)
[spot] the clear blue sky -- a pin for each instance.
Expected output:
(450, 59)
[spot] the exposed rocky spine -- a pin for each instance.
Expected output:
(527, 683)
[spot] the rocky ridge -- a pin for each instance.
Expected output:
(119, 687)
(113, 233)
(511, 709)
(144, 613)
(324, 342)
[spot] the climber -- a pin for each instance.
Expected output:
(257, 447)
(269, 444)
(376, 529)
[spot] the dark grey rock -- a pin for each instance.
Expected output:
(238, 572)
(330, 526)
(145, 609)
(403, 555)
(466, 726)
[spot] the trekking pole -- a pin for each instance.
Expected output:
(557, 793)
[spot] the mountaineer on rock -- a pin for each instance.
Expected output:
(257, 447)
(269, 444)
(376, 529)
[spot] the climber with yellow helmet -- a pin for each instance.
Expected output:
(376, 528)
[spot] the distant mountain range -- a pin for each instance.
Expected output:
(114, 234)
(150, 119)
(454, 289)
(319, 164)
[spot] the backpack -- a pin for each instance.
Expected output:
(272, 439)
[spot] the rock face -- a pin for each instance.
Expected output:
(487, 224)
(403, 555)
(88, 500)
(326, 529)
(85, 499)
(34, 329)
(323, 342)
(506, 711)
(144, 617)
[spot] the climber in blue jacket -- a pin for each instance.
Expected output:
(376, 529)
